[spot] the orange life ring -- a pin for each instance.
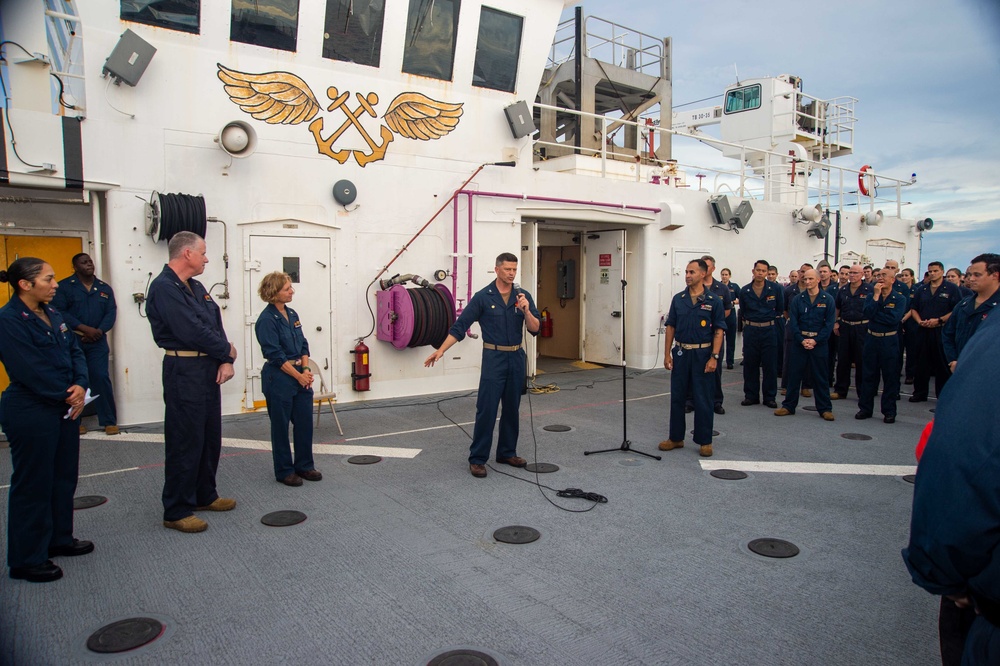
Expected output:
(861, 180)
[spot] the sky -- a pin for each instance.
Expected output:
(926, 74)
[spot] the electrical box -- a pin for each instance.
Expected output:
(520, 120)
(129, 59)
(566, 279)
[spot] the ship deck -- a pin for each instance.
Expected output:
(396, 561)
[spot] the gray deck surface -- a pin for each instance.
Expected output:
(396, 562)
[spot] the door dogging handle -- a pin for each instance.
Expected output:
(616, 313)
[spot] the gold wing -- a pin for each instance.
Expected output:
(274, 97)
(417, 116)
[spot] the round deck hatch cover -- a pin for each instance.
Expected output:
(364, 460)
(517, 534)
(463, 657)
(125, 635)
(857, 436)
(910, 478)
(810, 408)
(541, 468)
(557, 428)
(715, 433)
(88, 501)
(283, 518)
(773, 548)
(728, 474)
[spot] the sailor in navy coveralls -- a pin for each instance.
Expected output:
(88, 306)
(503, 313)
(810, 323)
(697, 323)
(851, 327)
(762, 303)
(884, 310)
(286, 381)
(931, 307)
(48, 381)
(984, 277)
(954, 541)
(198, 359)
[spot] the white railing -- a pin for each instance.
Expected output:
(834, 187)
(610, 42)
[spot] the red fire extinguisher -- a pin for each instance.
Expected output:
(546, 323)
(359, 368)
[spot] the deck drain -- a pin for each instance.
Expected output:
(88, 501)
(125, 635)
(463, 657)
(518, 534)
(857, 436)
(283, 518)
(728, 474)
(810, 408)
(715, 433)
(910, 478)
(364, 460)
(557, 428)
(773, 548)
(541, 468)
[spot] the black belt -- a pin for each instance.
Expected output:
(183, 353)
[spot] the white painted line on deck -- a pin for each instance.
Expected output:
(263, 445)
(808, 468)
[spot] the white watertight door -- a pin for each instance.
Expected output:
(603, 270)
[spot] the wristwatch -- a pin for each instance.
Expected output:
(715, 356)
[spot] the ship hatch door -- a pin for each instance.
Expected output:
(309, 261)
(604, 269)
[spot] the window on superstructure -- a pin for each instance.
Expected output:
(430, 38)
(270, 23)
(743, 99)
(497, 50)
(354, 31)
(183, 15)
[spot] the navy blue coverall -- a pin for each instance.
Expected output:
(791, 291)
(42, 363)
(693, 324)
(833, 348)
(954, 541)
(810, 319)
(95, 308)
(760, 341)
(963, 323)
(502, 377)
(282, 340)
(910, 340)
(187, 319)
(722, 291)
(729, 349)
(853, 327)
(880, 354)
(930, 351)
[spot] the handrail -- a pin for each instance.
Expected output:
(749, 183)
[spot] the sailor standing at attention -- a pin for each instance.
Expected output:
(884, 310)
(503, 313)
(39, 412)
(88, 306)
(198, 360)
(810, 323)
(763, 303)
(697, 318)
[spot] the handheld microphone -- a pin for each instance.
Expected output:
(517, 291)
(517, 288)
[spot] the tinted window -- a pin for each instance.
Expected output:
(497, 50)
(270, 23)
(430, 38)
(354, 31)
(181, 15)
(743, 99)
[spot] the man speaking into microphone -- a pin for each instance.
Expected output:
(502, 309)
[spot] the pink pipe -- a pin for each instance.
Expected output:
(528, 197)
(468, 199)
(454, 259)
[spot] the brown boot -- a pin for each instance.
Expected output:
(478, 471)
(111, 430)
(220, 504)
(781, 411)
(670, 445)
(706, 451)
(191, 524)
(827, 416)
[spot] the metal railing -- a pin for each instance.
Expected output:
(610, 42)
(833, 187)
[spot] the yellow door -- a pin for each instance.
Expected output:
(56, 250)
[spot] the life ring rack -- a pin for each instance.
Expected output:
(862, 177)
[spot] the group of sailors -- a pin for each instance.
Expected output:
(816, 332)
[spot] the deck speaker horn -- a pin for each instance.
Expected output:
(238, 139)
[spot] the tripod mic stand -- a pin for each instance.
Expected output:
(626, 444)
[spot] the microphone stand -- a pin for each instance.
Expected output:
(626, 444)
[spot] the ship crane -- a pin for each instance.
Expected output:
(691, 122)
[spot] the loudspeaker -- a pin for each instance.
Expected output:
(237, 138)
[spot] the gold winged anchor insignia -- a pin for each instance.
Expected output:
(284, 98)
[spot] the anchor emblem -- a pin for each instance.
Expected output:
(284, 98)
